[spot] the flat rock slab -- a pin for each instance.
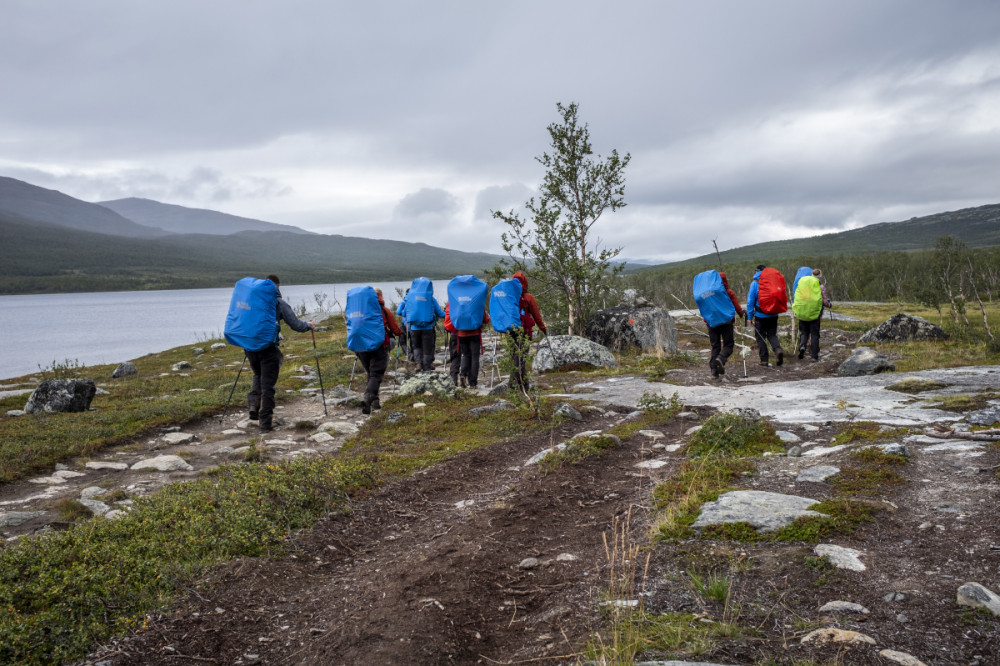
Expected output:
(339, 428)
(547, 452)
(765, 511)
(834, 635)
(178, 438)
(652, 464)
(959, 446)
(163, 464)
(816, 474)
(787, 437)
(900, 658)
(824, 451)
(15, 518)
(842, 607)
(98, 464)
(841, 557)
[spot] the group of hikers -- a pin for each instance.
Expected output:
(767, 298)
(257, 309)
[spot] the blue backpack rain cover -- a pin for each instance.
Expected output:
(712, 299)
(252, 321)
(365, 326)
(420, 302)
(505, 305)
(467, 302)
(801, 273)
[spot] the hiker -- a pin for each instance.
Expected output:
(454, 357)
(467, 314)
(422, 312)
(764, 304)
(404, 340)
(470, 346)
(809, 299)
(266, 362)
(530, 316)
(376, 362)
(711, 291)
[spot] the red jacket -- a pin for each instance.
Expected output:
(732, 296)
(530, 306)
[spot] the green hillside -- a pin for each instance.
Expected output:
(36, 258)
(976, 227)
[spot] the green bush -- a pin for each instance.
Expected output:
(734, 434)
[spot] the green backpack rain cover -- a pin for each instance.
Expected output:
(808, 300)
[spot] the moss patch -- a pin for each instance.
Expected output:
(734, 435)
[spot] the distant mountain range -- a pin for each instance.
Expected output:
(976, 227)
(51, 242)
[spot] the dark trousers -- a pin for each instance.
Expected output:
(765, 329)
(469, 347)
(522, 345)
(265, 365)
(454, 357)
(375, 364)
(423, 348)
(809, 334)
(721, 337)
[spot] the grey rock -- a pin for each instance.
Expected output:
(902, 658)
(503, 388)
(644, 328)
(95, 507)
(568, 411)
(816, 474)
(903, 328)
(217, 346)
(178, 438)
(528, 563)
(840, 557)
(197, 351)
(893, 449)
(15, 518)
(865, 361)
(437, 383)
(16, 412)
(788, 437)
(794, 452)
(498, 406)
(977, 596)
(91, 492)
(181, 365)
(896, 597)
(124, 370)
(765, 511)
(99, 464)
(339, 428)
(61, 395)
(321, 438)
(545, 453)
(567, 351)
(984, 417)
(843, 607)
(395, 416)
(163, 464)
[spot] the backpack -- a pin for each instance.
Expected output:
(252, 320)
(772, 297)
(420, 302)
(365, 325)
(467, 302)
(713, 301)
(505, 305)
(807, 303)
(799, 274)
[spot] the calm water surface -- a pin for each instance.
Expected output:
(111, 327)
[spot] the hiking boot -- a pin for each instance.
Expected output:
(721, 368)
(781, 358)
(802, 353)
(253, 414)
(366, 404)
(815, 359)
(265, 428)
(463, 382)
(763, 363)
(714, 365)
(376, 405)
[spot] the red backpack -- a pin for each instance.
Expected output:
(771, 294)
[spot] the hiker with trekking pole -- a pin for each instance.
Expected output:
(529, 316)
(766, 299)
(808, 301)
(370, 330)
(253, 322)
(467, 314)
(719, 307)
(421, 311)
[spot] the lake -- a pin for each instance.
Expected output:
(111, 327)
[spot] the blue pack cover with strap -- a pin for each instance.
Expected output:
(365, 326)
(467, 302)
(713, 302)
(420, 302)
(799, 274)
(252, 321)
(505, 305)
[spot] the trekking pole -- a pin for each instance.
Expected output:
(350, 384)
(318, 372)
(223, 417)
(551, 350)
(494, 364)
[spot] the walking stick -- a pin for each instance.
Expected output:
(350, 384)
(318, 372)
(551, 350)
(494, 364)
(223, 417)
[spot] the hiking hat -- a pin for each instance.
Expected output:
(817, 272)
(761, 267)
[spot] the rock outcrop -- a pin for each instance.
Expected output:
(436, 383)
(865, 361)
(566, 351)
(904, 328)
(62, 395)
(124, 370)
(649, 329)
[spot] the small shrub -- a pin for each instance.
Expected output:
(734, 434)
(71, 510)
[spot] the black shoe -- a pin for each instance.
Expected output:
(802, 353)
(781, 358)
(763, 363)
(815, 359)
(253, 414)
(265, 429)
(366, 404)
(376, 404)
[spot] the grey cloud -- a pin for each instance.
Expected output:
(501, 198)
(427, 203)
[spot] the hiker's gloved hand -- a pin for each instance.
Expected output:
(544, 330)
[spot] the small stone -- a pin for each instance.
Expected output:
(464, 504)
(197, 351)
(823, 451)
(840, 557)
(788, 437)
(175, 438)
(321, 438)
(182, 365)
(217, 346)
(567, 410)
(692, 430)
(843, 607)
(233, 431)
(66, 474)
(91, 492)
(901, 617)
(566, 557)
(977, 596)
(651, 464)
(901, 658)
(16, 412)
(96, 508)
(833, 635)
(163, 464)
(528, 563)
(339, 428)
(690, 416)
(794, 452)
(652, 434)
(816, 474)
(895, 597)
(546, 452)
(98, 464)
(418, 405)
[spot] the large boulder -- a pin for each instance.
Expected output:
(61, 395)
(865, 361)
(648, 329)
(567, 351)
(124, 370)
(904, 328)
(436, 383)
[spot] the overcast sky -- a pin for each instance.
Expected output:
(746, 121)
